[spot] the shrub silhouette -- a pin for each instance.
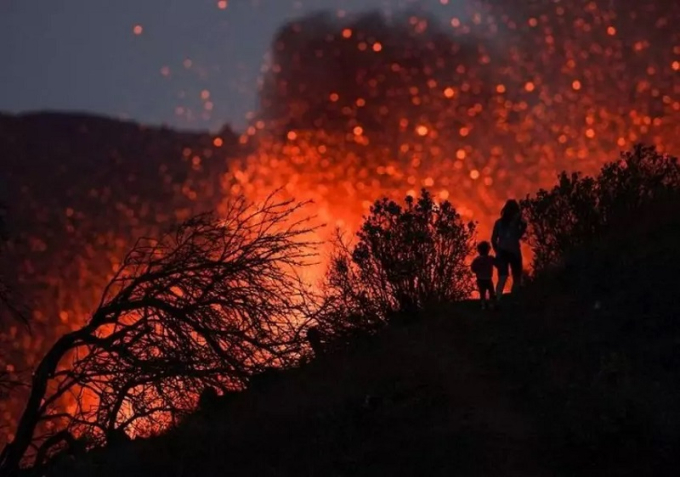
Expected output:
(405, 257)
(207, 305)
(5, 378)
(9, 310)
(6, 303)
(580, 208)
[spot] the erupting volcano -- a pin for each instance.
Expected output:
(488, 103)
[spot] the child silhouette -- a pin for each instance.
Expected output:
(482, 267)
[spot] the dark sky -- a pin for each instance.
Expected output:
(84, 55)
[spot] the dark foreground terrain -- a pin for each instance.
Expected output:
(578, 375)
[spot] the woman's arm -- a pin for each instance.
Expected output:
(494, 237)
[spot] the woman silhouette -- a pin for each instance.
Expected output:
(505, 240)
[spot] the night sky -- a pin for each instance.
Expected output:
(85, 55)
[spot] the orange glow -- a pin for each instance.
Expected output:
(222, 4)
(377, 47)
(448, 124)
(138, 29)
(480, 109)
(422, 130)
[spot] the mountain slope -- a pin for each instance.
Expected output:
(408, 402)
(577, 375)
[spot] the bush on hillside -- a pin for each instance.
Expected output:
(580, 208)
(405, 257)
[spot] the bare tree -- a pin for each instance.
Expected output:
(208, 305)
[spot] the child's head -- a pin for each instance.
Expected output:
(484, 248)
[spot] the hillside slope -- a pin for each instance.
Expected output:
(578, 375)
(410, 401)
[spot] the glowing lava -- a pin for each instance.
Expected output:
(477, 109)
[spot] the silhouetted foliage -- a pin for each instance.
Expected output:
(406, 257)
(3, 231)
(77, 199)
(59, 449)
(10, 309)
(3, 238)
(205, 306)
(4, 292)
(315, 339)
(580, 208)
(208, 399)
(561, 218)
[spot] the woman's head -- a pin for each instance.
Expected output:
(510, 210)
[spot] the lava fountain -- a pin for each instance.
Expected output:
(487, 104)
